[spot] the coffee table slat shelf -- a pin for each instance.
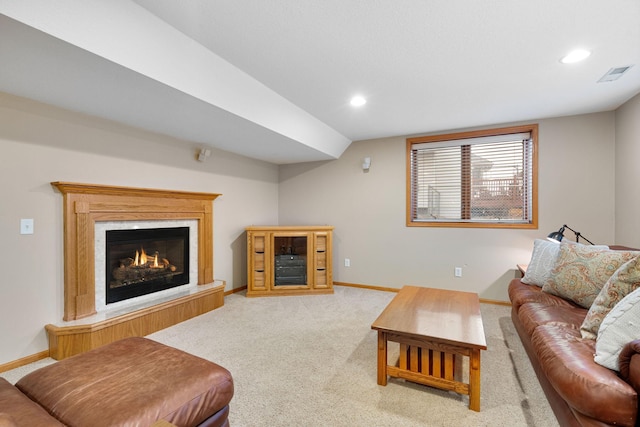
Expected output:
(433, 326)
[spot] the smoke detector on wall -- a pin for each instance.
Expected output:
(614, 74)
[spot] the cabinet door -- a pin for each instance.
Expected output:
(291, 261)
(322, 261)
(257, 265)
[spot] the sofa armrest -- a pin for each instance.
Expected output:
(629, 361)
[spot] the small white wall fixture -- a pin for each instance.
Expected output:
(366, 164)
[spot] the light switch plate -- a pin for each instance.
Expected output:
(26, 226)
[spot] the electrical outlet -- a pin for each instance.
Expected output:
(457, 272)
(26, 226)
(347, 262)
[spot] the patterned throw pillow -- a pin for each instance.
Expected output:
(543, 258)
(624, 281)
(619, 327)
(581, 271)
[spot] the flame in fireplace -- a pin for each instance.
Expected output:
(143, 268)
(142, 259)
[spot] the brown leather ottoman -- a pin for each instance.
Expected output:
(16, 409)
(132, 382)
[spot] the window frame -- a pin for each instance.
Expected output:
(410, 142)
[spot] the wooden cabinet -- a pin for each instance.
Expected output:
(289, 260)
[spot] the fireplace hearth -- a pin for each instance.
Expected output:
(144, 261)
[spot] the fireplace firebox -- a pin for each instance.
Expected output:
(144, 261)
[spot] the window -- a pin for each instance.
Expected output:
(473, 179)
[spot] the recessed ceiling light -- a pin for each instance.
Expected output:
(575, 56)
(358, 101)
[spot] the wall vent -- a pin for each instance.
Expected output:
(614, 74)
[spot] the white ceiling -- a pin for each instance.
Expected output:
(272, 79)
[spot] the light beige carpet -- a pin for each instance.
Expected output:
(311, 361)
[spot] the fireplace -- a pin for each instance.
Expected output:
(143, 261)
(90, 211)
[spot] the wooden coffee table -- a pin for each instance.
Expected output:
(432, 326)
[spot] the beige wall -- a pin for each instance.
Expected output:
(628, 173)
(39, 144)
(576, 187)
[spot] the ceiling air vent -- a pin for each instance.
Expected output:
(614, 74)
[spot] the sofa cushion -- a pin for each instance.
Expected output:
(6, 420)
(16, 409)
(624, 281)
(534, 314)
(593, 390)
(619, 327)
(520, 293)
(581, 271)
(134, 381)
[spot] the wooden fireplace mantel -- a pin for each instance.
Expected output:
(86, 204)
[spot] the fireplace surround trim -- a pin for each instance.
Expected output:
(86, 204)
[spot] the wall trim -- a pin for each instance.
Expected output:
(24, 361)
(387, 289)
(235, 290)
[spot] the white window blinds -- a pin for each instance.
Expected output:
(486, 179)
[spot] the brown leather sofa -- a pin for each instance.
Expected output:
(131, 382)
(580, 391)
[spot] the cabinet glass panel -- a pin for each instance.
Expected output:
(290, 260)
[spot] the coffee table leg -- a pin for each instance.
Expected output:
(382, 358)
(474, 380)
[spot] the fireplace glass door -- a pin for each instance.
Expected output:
(144, 261)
